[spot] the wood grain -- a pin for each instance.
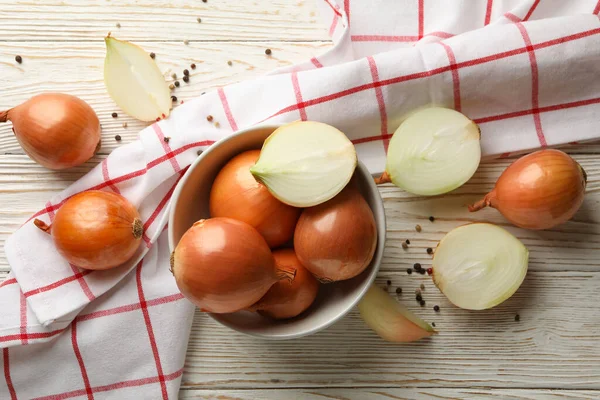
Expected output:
(388, 394)
(552, 346)
(477, 355)
(77, 69)
(25, 187)
(73, 20)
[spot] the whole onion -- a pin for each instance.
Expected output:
(288, 299)
(96, 230)
(336, 240)
(56, 130)
(223, 265)
(236, 194)
(538, 191)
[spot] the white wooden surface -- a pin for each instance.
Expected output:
(551, 353)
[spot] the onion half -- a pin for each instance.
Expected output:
(479, 266)
(134, 81)
(305, 163)
(390, 320)
(434, 151)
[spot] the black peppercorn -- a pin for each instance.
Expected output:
(436, 308)
(152, 56)
(422, 303)
(19, 59)
(186, 79)
(115, 115)
(398, 290)
(268, 52)
(118, 138)
(422, 271)
(407, 241)
(186, 72)
(433, 324)
(389, 283)
(176, 83)
(409, 271)
(517, 317)
(431, 218)
(173, 98)
(429, 250)
(166, 139)
(417, 266)
(419, 297)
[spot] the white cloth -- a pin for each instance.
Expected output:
(526, 71)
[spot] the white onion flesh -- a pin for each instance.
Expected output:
(134, 81)
(479, 266)
(390, 320)
(434, 151)
(305, 163)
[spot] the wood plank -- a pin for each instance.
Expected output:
(387, 394)
(72, 20)
(25, 187)
(77, 69)
(552, 346)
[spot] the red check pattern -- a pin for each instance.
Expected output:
(498, 66)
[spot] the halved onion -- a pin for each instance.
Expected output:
(389, 319)
(134, 81)
(434, 151)
(305, 163)
(479, 266)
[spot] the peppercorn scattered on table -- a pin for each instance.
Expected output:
(539, 344)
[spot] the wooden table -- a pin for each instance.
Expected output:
(551, 353)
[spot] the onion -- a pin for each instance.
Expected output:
(538, 191)
(305, 163)
(236, 194)
(389, 319)
(96, 230)
(56, 130)
(478, 266)
(134, 81)
(223, 265)
(288, 299)
(336, 240)
(434, 151)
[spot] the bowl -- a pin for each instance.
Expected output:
(190, 202)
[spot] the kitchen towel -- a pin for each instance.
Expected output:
(525, 70)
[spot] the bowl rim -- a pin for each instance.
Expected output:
(370, 279)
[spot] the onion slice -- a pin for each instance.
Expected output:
(390, 320)
(305, 163)
(134, 81)
(434, 151)
(479, 266)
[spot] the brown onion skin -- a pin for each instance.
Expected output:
(538, 191)
(56, 130)
(288, 299)
(96, 230)
(223, 265)
(236, 194)
(336, 240)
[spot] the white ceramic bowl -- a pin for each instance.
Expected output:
(190, 202)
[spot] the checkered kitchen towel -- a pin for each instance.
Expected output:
(527, 71)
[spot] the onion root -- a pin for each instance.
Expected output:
(42, 225)
(384, 178)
